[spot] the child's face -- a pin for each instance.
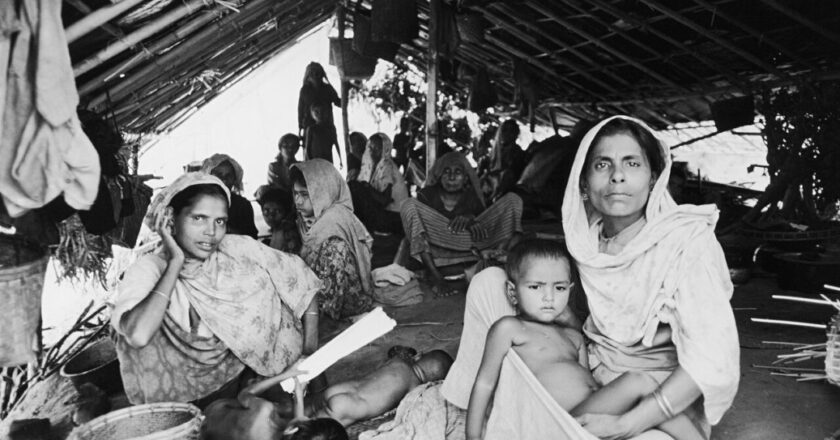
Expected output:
(273, 214)
(542, 290)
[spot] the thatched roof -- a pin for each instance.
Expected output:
(664, 62)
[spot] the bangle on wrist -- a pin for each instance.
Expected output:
(663, 403)
(310, 313)
(162, 294)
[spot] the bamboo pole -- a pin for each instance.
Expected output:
(98, 18)
(810, 24)
(758, 35)
(142, 34)
(80, 6)
(345, 89)
(151, 51)
(432, 86)
(178, 55)
(790, 323)
(733, 77)
(597, 41)
(720, 41)
(658, 55)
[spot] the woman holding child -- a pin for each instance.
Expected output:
(199, 316)
(656, 284)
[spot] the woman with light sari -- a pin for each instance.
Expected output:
(656, 285)
(336, 244)
(380, 190)
(207, 310)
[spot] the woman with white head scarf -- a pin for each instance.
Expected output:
(380, 191)
(655, 280)
(336, 244)
(241, 213)
(207, 307)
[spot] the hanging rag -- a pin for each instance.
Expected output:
(43, 150)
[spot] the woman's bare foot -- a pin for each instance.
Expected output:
(442, 289)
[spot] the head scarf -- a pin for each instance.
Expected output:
(155, 216)
(245, 292)
(448, 160)
(673, 272)
(386, 172)
(333, 216)
(217, 159)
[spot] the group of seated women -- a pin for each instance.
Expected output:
(209, 309)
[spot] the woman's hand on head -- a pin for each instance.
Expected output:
(605, 426)
(166, 229)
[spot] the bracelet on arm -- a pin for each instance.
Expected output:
(162, 294)
(664, 403)
(310, 313)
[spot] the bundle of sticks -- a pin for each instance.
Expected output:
(801, 352)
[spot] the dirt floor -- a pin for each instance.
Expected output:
(767, 407)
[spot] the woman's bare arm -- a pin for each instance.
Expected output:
(680, 390)
(310, 328)
(141, 322)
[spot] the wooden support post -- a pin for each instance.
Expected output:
(341, 16)
(431, 91)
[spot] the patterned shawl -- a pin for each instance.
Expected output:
(333, 216)
(450, 159)
(216, 159)
(672, 272)
(249, 295)
(386, 172)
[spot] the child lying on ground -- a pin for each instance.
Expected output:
(250, 417)
(539, 281)
(381, 390)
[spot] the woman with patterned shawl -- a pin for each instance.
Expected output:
(336, 244)
(380, 191)
(241, 213)
(655, 280)
(448, 222)
(207, 310)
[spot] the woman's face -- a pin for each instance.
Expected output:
(225, 172)
(302, 201)
(375, 145)
(619, 178)
(453, 178)
(199, 228)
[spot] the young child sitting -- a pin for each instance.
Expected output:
(279, 213)
(539, 282)
(380, 391)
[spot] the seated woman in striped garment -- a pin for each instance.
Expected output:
(449, 224)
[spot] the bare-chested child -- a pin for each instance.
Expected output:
(539, 283)
(381, 390)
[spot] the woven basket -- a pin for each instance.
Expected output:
(22, 268)
(832, 351)
(152, 421)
